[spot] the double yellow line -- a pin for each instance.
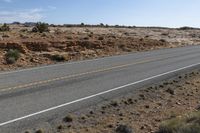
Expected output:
(76, 75)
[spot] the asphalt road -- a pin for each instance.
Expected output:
(37, 96)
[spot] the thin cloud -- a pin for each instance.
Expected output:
(8, 1)
(52, 7)
(32, 15)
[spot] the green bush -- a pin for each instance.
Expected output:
(41, 27)
(4, 27)
(12, 56)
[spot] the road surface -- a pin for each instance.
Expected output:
(37, 96)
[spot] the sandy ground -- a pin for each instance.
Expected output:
(79, 43)
(142, 111)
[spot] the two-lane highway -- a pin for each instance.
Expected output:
(34, 96)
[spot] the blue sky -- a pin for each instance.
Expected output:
(169, 13)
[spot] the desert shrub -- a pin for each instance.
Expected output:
(68, 118)
(5, 36)
(124, 129)
(23, 36)
(4, 27)
(164, 34)
(24, 30)
(39, 131)
(186, 28)
(41, 27)
(12, 56)
(58, 58)
(162, 40)
(86, 38)
(186, 124)
(58, 31)
(101, 38)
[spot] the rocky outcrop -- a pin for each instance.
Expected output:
(37, 46)
(13, 45)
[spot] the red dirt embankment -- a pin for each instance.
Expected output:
(36, 51)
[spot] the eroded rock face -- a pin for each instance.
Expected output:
(40, 51)
(13, 45)
(37, 46)
(90, 44)
(85, 43)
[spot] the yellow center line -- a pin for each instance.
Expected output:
(76, 75)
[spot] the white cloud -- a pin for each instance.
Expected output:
(8, 1)
(52, 7)
(32, 15)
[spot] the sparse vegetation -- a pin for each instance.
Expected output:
(101, 38)
(163, 40)
(142, 111)
(123, 129)
(186, 28)
(84, 41)
(186, 124)
(68, 118)
(12, 56)
(4, 27)
(58, 58)
(60, 127)
(41, 27)
(5, 36)
(39, 131)
(24, 30)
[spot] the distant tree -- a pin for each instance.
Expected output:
(82, 24)
(41, 27)
(107, 25)
(4, 27)
(16, 23)
(101, 24)
(186, 28)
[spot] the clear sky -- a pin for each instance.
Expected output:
(167, 13)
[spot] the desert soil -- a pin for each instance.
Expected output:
(79, 43)
(142, 111)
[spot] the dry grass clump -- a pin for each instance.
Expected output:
(12, 56)
(189, 123)
(58, 58)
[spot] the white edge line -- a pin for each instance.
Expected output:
(91, 96)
